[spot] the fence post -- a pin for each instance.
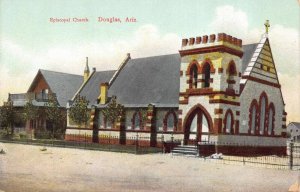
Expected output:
(172, 142)
(291, 155)
(198, 148)
(109, 135)
(136, 143)
(162, 143)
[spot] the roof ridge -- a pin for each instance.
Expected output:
(82, 85)
(60, 72)
(251, 44)
(155, 56)
(106, 71)
(117, 72)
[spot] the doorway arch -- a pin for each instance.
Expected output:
(197, 125)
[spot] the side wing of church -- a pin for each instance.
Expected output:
(214, 90)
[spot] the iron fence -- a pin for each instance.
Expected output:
(135, 145)
(287, 157)
(238, 154)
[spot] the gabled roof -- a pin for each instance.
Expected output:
(248, 53)
(148, 80)
(296, 124)
(155, 80)
(261, 67)
(91, 89)
(64, 85)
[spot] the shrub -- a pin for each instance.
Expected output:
(4, 134)
(16, 136)
(24, 135)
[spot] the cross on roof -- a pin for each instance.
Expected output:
(267, 25)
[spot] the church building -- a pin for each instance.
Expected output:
(215, 89)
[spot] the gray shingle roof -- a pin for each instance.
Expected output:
(297, 124)
(248, 52)
(148, 80)
(155, 80)
(91, 88)
(63, 84)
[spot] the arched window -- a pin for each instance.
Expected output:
(170, 122)
(206, 71)
(228, 122)
(271, 119)
(136, 121)
(252, 117)
(107, 123)
(194, 76)
(253, 120)
(231, 74)
(262, 114)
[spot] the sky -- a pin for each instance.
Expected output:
(30, 41)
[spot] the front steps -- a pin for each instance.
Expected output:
(185, 150)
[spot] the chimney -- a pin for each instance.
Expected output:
(103, 93)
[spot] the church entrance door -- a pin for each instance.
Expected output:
(197, 125)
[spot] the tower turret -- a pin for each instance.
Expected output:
(209, 90)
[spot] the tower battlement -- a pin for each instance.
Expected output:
(212, 43)
(213, 38)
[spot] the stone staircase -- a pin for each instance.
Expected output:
(185, 150)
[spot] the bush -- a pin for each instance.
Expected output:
(3, 134)
(43, 135)
(16, 136)
(24, 135)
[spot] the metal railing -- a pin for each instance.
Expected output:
(135, 145)
(253, 155)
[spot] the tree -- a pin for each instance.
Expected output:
(31, 112)
(144, 116)
(55, 115)
(8, 115)
(113, 110)
(79, 110)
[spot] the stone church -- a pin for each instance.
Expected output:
(215, 89)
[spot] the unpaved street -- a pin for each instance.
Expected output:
(26, 168)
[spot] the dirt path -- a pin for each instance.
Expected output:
(25, 168)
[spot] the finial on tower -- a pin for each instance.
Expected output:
(267, 25)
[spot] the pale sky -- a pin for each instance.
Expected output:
(29, 41)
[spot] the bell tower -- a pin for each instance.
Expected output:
(210, 72)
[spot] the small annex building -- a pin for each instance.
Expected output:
(293, 129)
(62, 85)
